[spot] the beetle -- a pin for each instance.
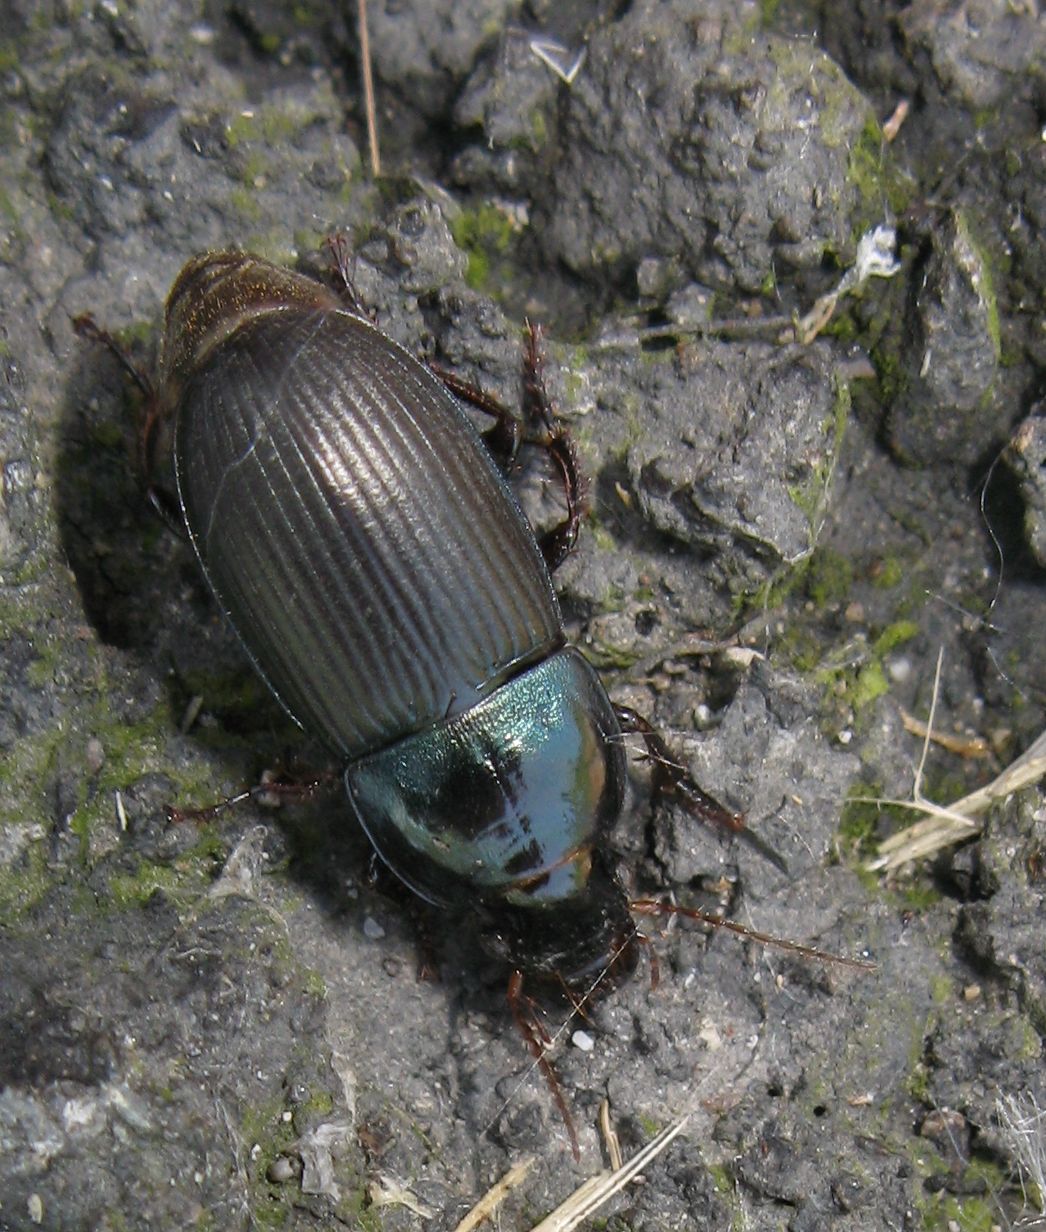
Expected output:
(364, 543)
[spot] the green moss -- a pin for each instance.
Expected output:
(942, 990)
(318, 1103)
(485, 235)
(947, 1213)
(890, 574)
(245, 203)
(266, 1135)
(811, 496)
(272, 126)
(315, 985)
(918, 1085)
(978, 269)
(25, 772)
(601, 537)
(721, 1177)
(919, 897)
(870, 684)
(131, 890)
(857, 839)
(859, 820)
(574, 363)
(829, 578)
(605, 657)
(538, 128)
(882, 189)
(255, 170)
(895, 635)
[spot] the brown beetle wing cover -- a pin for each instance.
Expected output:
(355, 530)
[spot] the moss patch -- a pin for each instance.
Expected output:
(485, 234)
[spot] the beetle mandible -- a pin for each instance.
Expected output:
(368, 551)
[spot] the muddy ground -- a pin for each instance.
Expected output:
(221, 1025)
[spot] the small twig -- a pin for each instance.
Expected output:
(964, 746)
(917, 793)
(875, 259)
(368, 90)
(1022, 1124)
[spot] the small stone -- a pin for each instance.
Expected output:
(281, 1170)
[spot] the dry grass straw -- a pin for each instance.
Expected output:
(369, 105)
(593, 1193)
(585, 1200)
(945, 825)
(1022, 1124)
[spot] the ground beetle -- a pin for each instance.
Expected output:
(363, 542)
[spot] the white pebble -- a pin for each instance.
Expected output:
(582, 1040)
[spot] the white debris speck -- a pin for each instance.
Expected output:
(582, 1040)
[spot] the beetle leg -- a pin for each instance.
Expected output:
(272, 790)
(545, 429)
(86, 327)
(672, 781)
(539, 427)
(150, 420)
(651, 906)
(504, 437)
(525, 1014)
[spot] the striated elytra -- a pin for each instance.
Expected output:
(370, 555)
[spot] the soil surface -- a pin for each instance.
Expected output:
(220, 1024)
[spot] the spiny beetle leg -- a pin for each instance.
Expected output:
(539, 427)
(526, 1015)
(150, 421)
(505, 435)
(86, 327)
(672, 781)
(538, 412)
(653, 907)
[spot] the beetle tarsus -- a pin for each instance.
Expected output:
(504, 437)
(539, 414)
